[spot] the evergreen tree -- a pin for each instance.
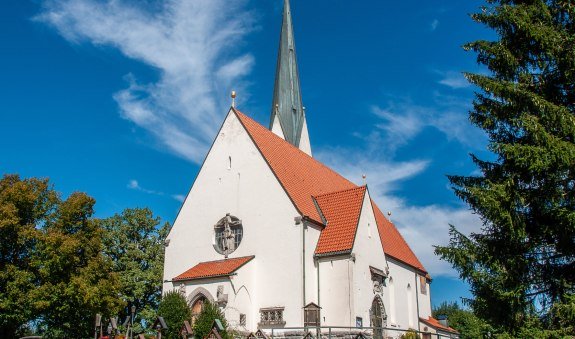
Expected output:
(175, 310)
(521, 265)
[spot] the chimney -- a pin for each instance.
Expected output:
(442, 320)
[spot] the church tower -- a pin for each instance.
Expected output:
(288, 114)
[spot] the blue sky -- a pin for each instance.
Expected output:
(121, 99)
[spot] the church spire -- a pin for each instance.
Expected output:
(288, 116)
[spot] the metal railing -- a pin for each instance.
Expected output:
(321, 332)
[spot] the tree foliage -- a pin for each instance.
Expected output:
(205, 320)
(59, 266)
(464, 321)
(175, 310)
(521, 266)
(24, 205)
(134, 242)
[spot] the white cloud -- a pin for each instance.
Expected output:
(434, 24)
(402, 120)
(193, 45)
(421, 226)
(179, 197)
(454, 80)
(133, 184)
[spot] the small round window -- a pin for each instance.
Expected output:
(228, 233)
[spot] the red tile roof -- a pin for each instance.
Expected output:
(303, 177)
(212, 269)
(393, 243)
(437, 325)
(300, 175)
(341, 209)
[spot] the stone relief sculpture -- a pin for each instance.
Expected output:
(228, 234)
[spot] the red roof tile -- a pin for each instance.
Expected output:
(300, 175)
(437, 325)
(341, 209)
(393, 243)
(303, 177)
(212, 269)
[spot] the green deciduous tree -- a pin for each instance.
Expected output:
(175, 310)
(134, 241)
(25, 205)
(75, 279)
(464, 321)
(522, 263)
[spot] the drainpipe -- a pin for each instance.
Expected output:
(417, 299)
(303, 260)
(298, 220)
(318, 290)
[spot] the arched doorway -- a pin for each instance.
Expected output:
(197, 306)
(378, 317)
(197, 300)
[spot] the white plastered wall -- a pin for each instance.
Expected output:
(406, 299)
(304, 143)
(277, 128)
(248, 190)
(336, 291)
(368, 252)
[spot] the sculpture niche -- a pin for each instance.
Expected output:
(228, 234)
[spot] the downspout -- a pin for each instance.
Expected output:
(318, 290)
(303, 261)
(417, 299)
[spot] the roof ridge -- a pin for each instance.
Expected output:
(270, 132)
(227, 259)
(288, 143)
(362, 187)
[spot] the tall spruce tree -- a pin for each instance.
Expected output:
(521, 265)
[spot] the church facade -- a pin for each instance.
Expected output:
(277, 239)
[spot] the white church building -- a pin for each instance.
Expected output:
(279, 240)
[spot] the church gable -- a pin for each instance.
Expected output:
(234, 179)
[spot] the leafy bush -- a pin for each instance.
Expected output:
(205, 319)
(175, 310)
(410, 334)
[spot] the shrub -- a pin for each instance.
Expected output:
(205, 319)
(175, 310)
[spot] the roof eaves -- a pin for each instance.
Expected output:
(330, 254)
(206, 277)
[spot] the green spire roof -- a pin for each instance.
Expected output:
(287, 104)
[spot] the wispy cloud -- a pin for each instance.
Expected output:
(454, 80)
(434, 24)
(401, 120)
(133, 184)
(193, 45)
